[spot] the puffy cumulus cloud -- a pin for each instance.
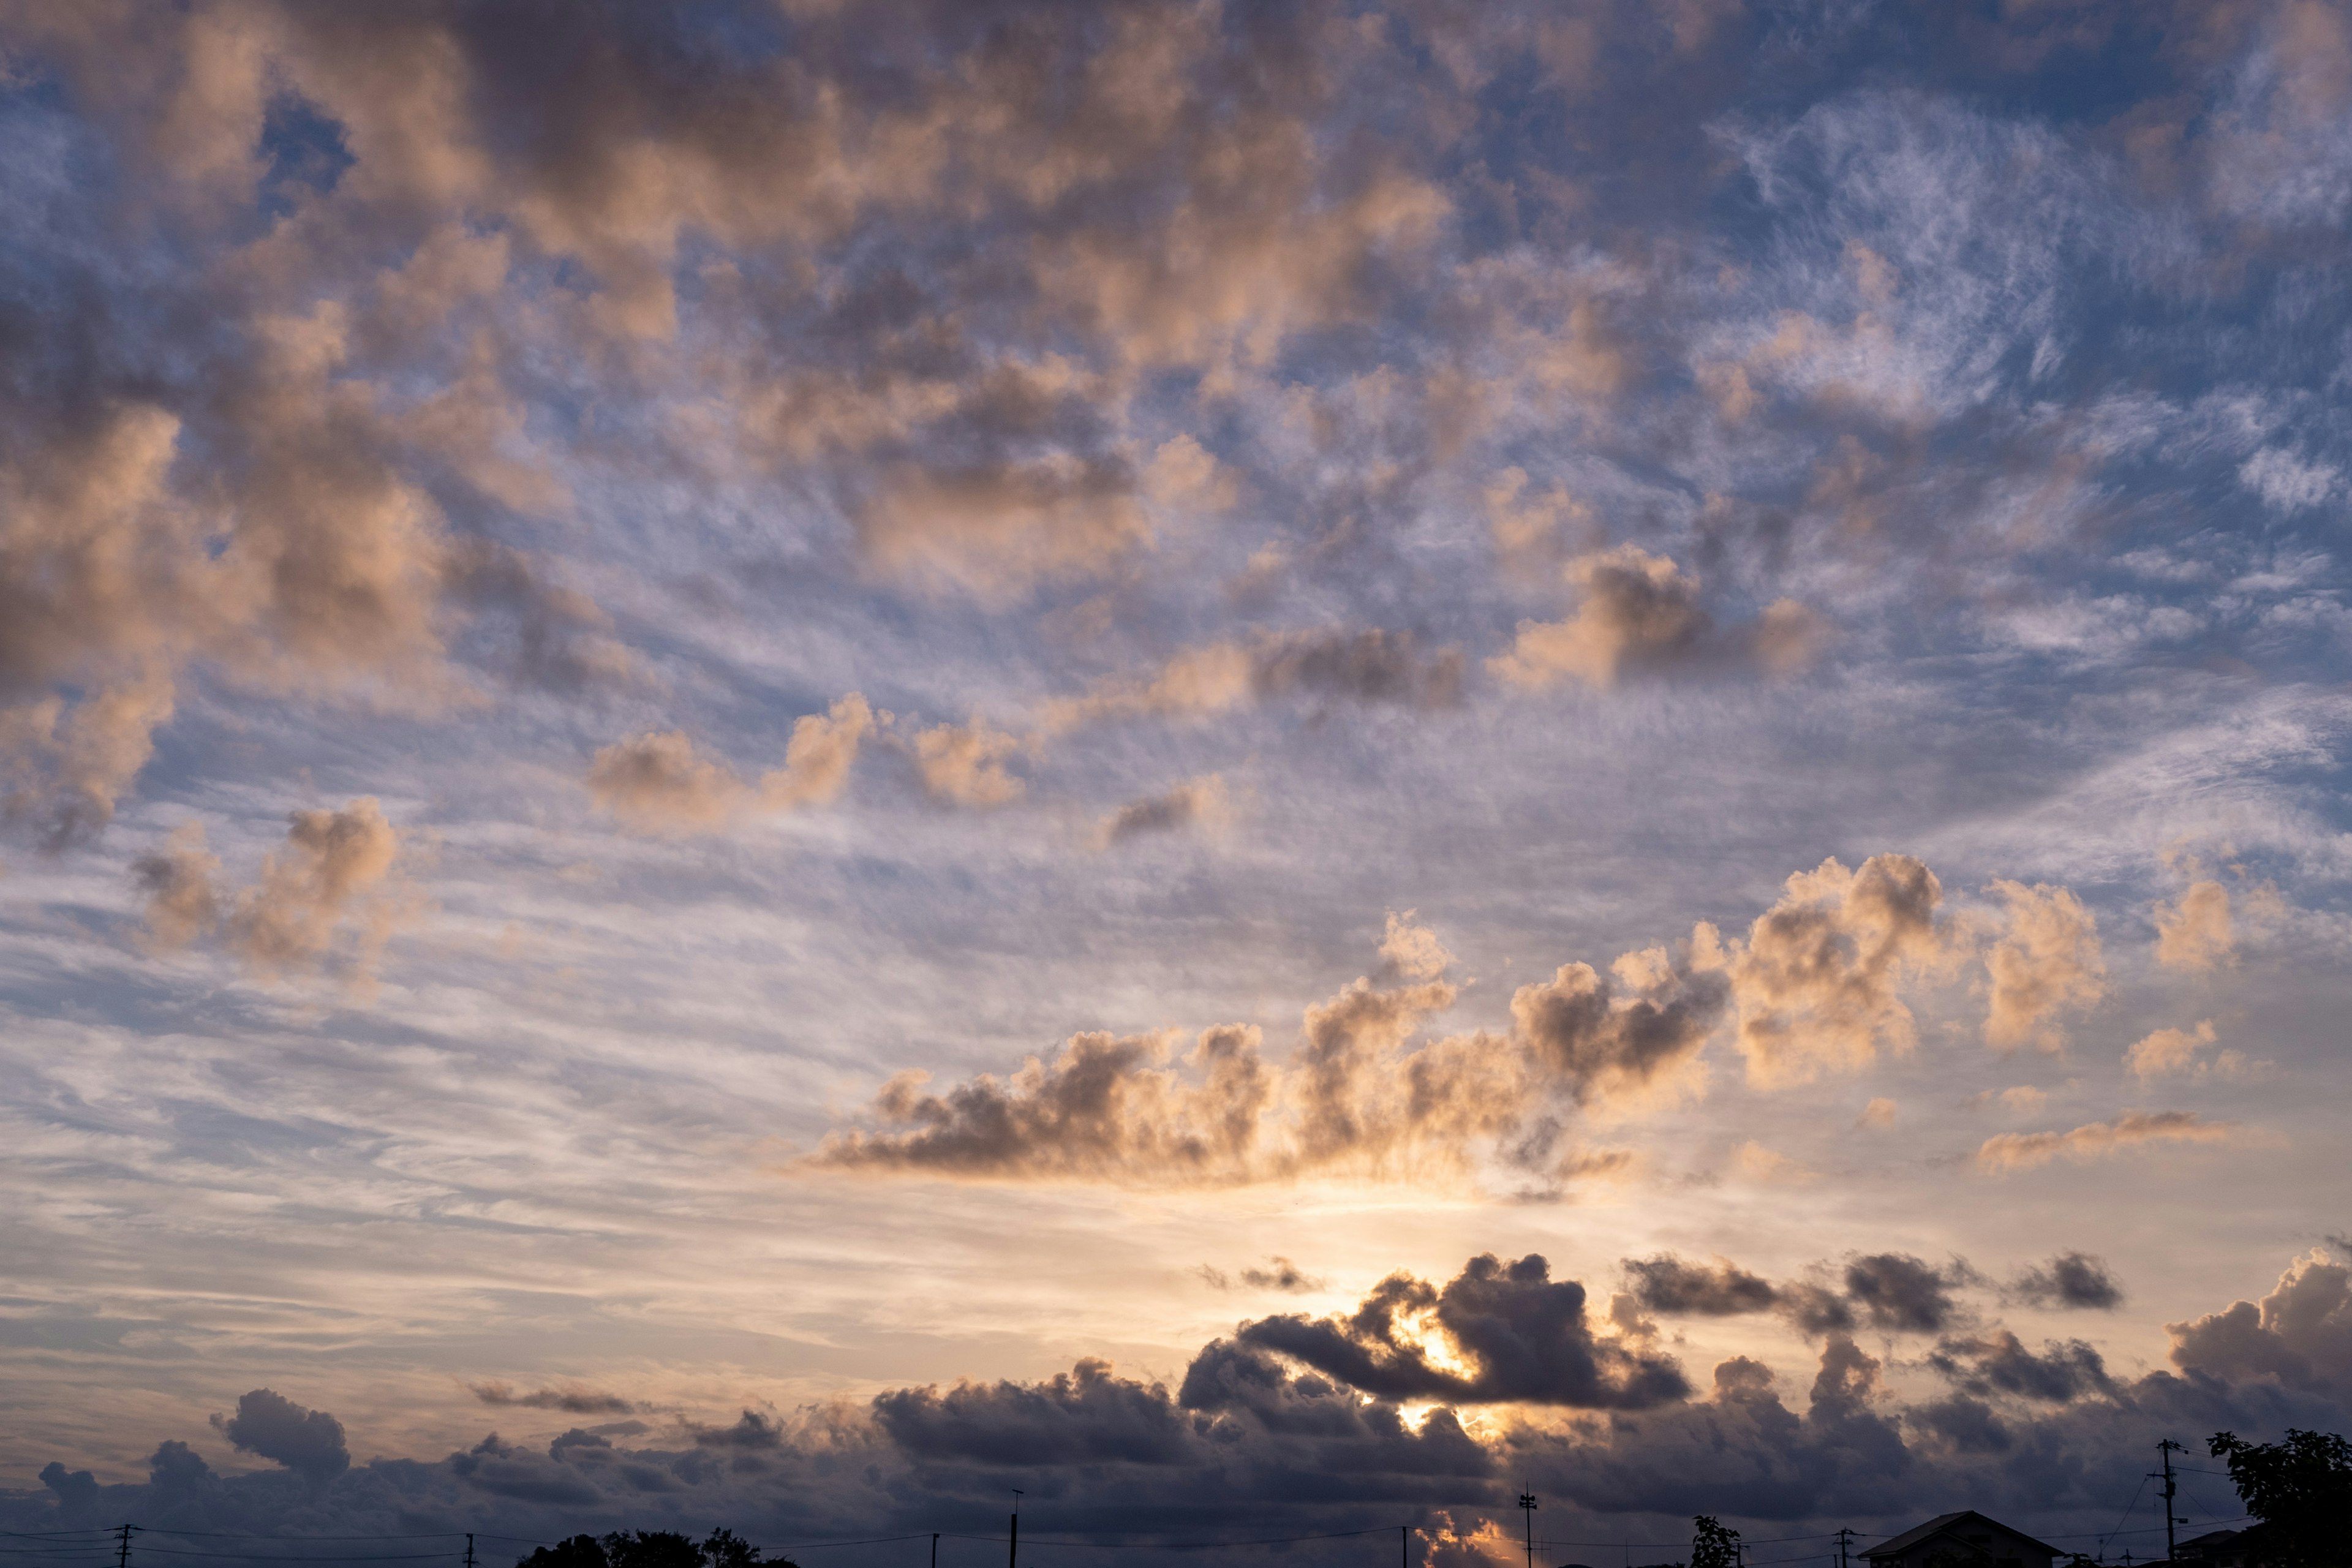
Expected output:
(331, 884)
(1817, 979)
(2194, 932)
(1084, 1414)
(1614, 1036)
(964, 764)
(1634, 608)
(2095, 1140)
(570, 1399)
(1902, 1294)
(2301, 1333)
(1351, 1097)
(1999, 1363)
(2163, 1052)
(1636, 611)
(1196, 802)
(308, 1442)
(1412, 950)
(2069, 1280)
(2045, 961)
(1496, 1332)
(1103, 1106)
(1815, 983)
(658, 782)
(180, 881)
(332, 869)
(1677, 1286)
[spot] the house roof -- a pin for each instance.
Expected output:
(2212, 1538)
(1896, 1546)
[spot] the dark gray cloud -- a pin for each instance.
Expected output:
(1673, 1286)
(1257, 1433)
(308, 1442)
(2070, 1279)
(1281, 1274)
(1526, 1336)
(572, 1400)
(1899, 1292)
(1999, 1363)
(1371, 665)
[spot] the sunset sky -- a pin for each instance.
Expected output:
(1272, 768)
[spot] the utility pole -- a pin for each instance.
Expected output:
(1527, 1502)
(2164, 1451)
(1845, 1538)
(1404, 1546)
(935, 1549)
(122, 1554)
(470, 1549)
(1011, 1540)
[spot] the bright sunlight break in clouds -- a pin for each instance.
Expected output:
(1271, 767)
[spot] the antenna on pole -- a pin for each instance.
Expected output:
(2164, 1449)
(1527, 1502)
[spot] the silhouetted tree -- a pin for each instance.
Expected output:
(725, 1549)
(653, 1548)
(580, 1551)
(1712, 1546)
(2301, 1490)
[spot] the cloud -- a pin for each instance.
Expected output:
(1639, 612)
(334, 866)
(1519, 1336)
(332, 880)
(1281, 1275)
(1371, 665)
(1363, 665)
(179, 881)
(2194, 932)
(2095, 1140)
(1083, 1414)
(2301, 1333)
(1634, 609)
(1412, 950)
(818, 757)
(2070, 1279)
(998, 529)
(1901, 1293)
(1878, 1114)
(1672, 1286)
(1195, 802)
(1103, 1106)
(1816, 981)
(1611, 1039)
(658, 782)
(2046, 960)
(2163, 1051)
(964, 764)
(1998, 1362)
(308, 1442)
(570, 1399)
